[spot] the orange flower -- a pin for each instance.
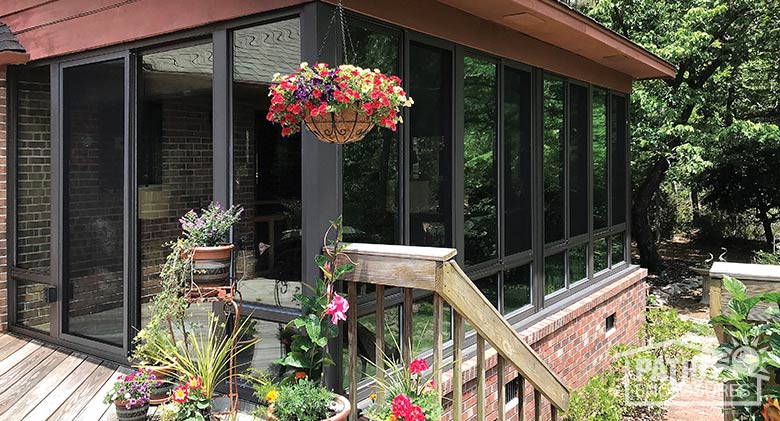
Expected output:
(195, 383)
(771, 410)
(300, 375)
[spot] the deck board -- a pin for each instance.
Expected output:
(76, 402)
(27, 381)
(13, 359)
(22, 371)
(49, 404)
(46, 385)
(10, 344)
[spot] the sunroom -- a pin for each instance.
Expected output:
(515, 153)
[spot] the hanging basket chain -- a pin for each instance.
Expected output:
(346, 37)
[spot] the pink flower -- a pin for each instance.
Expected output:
(418, 366)
(402, 406)
(337, 308)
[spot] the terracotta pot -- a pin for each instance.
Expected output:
(345, 127)
(135, 413)
(211, 265)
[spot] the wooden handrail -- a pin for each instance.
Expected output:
(434, 269)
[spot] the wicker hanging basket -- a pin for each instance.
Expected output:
(345, 127)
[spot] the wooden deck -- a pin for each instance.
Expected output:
(44, 382)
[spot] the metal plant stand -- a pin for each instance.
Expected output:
(229, 296)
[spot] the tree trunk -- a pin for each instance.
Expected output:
(769, 235)
(695, 205)
(642, 230)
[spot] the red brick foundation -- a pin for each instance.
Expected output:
(573, 342)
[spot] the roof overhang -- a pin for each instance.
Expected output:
(555, 23)
(11, 51)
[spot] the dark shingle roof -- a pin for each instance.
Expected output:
(8, 41)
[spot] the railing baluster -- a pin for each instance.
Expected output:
(500, 383)
(380, 341)
(438, 339)
(408, 339)
(353, 347)
(537, 405)
(457, 361)
(521, 397)
(480, 378)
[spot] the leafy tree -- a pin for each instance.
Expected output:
(744, 175)
(723, 50)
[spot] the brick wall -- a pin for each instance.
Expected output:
(3, 203)
(573, 342)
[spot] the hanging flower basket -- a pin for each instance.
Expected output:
(338, 105)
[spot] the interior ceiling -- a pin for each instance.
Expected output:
(555, 24)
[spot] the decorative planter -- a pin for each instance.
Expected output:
(135, 413)
(211, 265)
(345, 127)
(340, 403)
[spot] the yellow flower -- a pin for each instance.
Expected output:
(372, 396)
(272, 395)
(771, 410)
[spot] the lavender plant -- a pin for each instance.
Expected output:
(211, 227)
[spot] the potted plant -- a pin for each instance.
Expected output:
(150, 349)
(301, 396)
(190, 402)
(131, 393)
(338, 105)
(205, 239)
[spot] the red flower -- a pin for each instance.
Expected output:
(286, 131)
(418, 366)
(402, 405)
(294, 108)
(316, 93)
(415, 414)
(270, 116)
(367, 108)
(180, 394)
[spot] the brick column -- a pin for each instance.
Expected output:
(3, 202)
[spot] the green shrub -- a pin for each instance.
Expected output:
(766, 257)
(304, 400)
(599, 400)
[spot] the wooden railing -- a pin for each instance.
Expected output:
(433, 269)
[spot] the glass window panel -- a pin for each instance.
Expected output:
(553, 161)
(370, 167)
(517, 288)
(578, 160)
(422, 324)
(600, 256)
(489, 287)
(93, 115)
(174, 150)
(274, 344)
(33, 168)
(618, 249)
(618, 157)
(367, 341)
(554, 273)
(480, 176)
(430, 184)
(600, 184)
(578, 263)
(517, 160)
(32, 310)
(266, 168)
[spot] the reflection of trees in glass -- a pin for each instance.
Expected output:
(578, 160)
(578, 266)
(599, 159)
(370, 167)
(480, 187)
(618, 158)
(430, 123)
(618, 249)
(554, 273)
(517, 288)
(553, 161)
(517, 160)
(600, 261)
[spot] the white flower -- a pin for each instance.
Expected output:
(276, 75)
(304, 65)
